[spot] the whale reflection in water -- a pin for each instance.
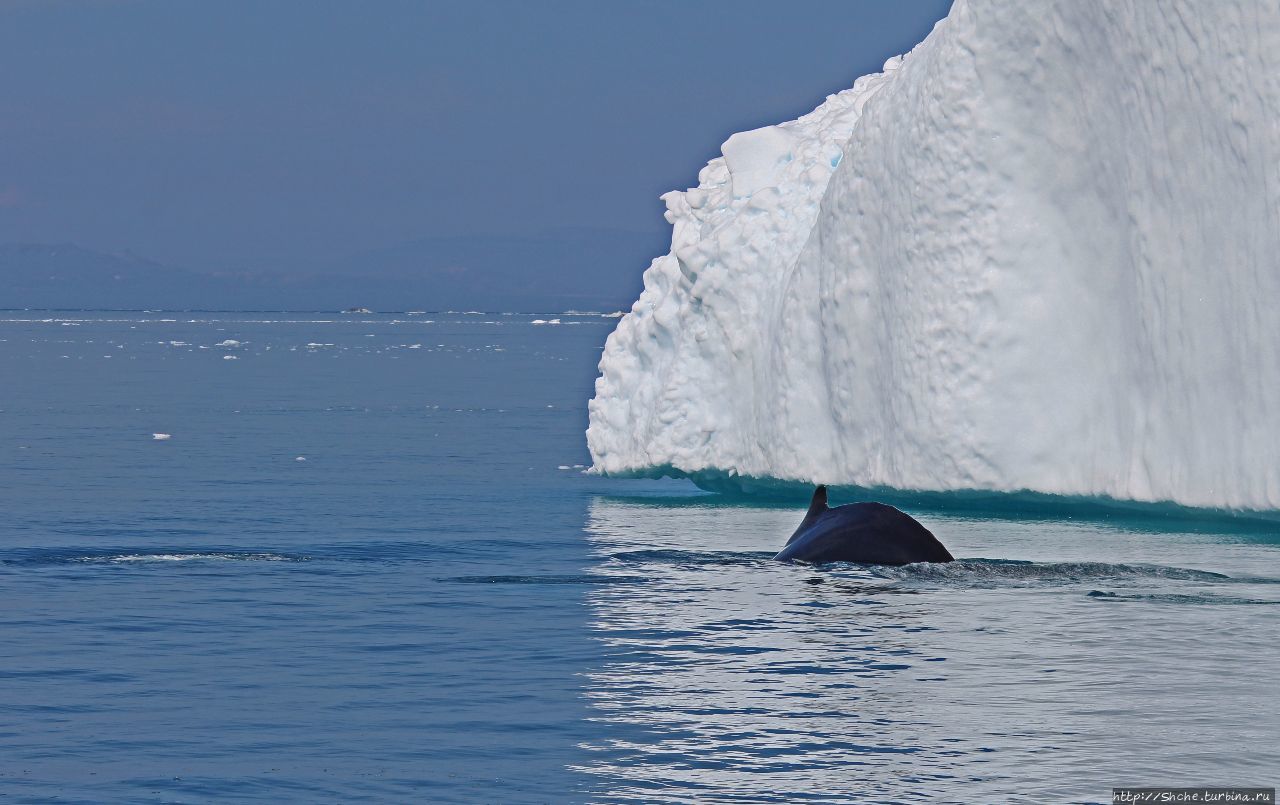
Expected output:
(725, 667)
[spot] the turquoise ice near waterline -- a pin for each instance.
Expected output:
(438, 605)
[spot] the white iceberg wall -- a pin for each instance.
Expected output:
(1047, 257)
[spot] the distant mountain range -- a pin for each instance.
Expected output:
(584, 269)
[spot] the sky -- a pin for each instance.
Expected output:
(265, 134)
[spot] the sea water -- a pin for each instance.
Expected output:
(366, 564)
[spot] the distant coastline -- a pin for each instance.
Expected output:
(560, 270)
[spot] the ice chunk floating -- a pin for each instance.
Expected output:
(1036, 253)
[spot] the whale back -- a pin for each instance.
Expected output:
(869, 533)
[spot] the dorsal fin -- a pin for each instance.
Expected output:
(819, 502)
(817, 507)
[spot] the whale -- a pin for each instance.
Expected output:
(867, 533)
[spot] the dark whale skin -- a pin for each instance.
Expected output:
(867, 533)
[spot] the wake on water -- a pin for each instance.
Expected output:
(56, 556)
(968, 573)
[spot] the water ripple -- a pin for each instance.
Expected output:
(548, 579)
(63, 556)
(986, 571)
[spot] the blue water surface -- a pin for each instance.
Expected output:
(366, 566)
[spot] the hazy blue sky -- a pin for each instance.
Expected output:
(283, 132)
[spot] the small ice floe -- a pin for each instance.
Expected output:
(178, 344)
(161, 437)
(545, 321)
(300, 458)
(229, 358)
(230, 343)
(617, 314)
(564, 467)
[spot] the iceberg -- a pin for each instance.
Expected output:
(1040, 252)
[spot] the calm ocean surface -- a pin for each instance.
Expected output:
(437, 605)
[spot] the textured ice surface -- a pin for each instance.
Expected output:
(1041, 251)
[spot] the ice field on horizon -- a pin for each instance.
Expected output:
(1036, 253)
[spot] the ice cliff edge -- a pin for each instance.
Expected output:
(1040, 252)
